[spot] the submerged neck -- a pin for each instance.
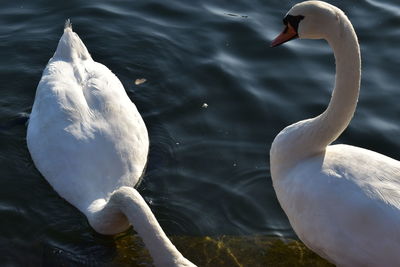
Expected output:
(130, 203)
(311, 137)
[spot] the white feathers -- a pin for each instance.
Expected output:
(68, 24)
(89, 141)
(342, 201)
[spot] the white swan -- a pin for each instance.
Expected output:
(89, 141)
(342, 201)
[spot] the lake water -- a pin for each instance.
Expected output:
(208, 171)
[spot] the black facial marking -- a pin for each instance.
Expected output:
(293, 20)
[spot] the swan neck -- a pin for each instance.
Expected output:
(347, 83)
(326, 128)
(127, 201)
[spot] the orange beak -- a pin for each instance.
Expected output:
(288, 34)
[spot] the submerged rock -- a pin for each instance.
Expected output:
(221, 251)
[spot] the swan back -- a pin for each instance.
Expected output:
(345, 205)
(85, 135)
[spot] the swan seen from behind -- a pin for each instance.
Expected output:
(89, 141)
(342, 201)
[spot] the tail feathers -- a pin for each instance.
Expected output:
(70, 46)
(68, 24)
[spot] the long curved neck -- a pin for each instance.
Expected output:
(342, 106)
(311, 137)
(130, 203)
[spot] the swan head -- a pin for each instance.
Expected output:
(309, 20)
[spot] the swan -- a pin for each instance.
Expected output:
(88, 140)
(342, 201)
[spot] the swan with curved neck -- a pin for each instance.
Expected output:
(342, 201)
(89, 141)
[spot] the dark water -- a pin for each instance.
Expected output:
(208, 170)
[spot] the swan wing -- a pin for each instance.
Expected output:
(342, 202)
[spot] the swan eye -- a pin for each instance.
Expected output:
(293, 20)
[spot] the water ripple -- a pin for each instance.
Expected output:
(208, 169)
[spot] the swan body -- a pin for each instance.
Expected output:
(89, 141)
(342, 201)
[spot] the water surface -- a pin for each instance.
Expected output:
(208, 172)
